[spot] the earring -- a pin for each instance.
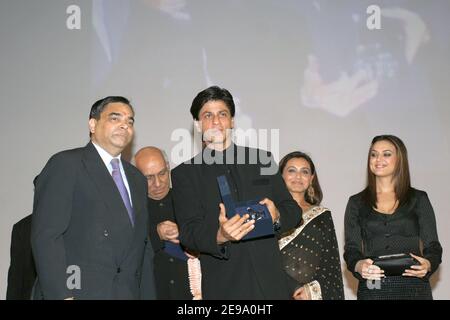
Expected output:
(310, 192)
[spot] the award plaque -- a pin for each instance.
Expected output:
(258, 212)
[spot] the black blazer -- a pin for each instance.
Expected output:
(22, 271)
(79, 219)
(197, 197)
(171, 273)
(369, 233)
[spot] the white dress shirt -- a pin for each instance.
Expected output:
(106, 157)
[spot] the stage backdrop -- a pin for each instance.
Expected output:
(319, 76)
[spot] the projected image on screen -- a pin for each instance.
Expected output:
(312, 69)
(375, 60)
(317, 73)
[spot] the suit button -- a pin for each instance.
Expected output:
(161, 204)
(387, 247)
(172, 282)
(118, 270)
(105, 233)
(171, 259)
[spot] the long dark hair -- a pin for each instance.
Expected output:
(401, 177)
(318, 195)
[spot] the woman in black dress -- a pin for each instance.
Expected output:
(310, 252)
(390, 217)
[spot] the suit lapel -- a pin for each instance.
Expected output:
(104, 182)
(132, 183)
(102, 179)
(139, 212)
(117, 217)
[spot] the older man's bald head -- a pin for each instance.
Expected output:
(153, 164)
(149, 152)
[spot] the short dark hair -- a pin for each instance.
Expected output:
(402, 179)
(318, 195)
(213, 93)
(100, 105)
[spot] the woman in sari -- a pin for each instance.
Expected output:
(310, 252)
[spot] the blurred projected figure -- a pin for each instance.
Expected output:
(375, 59)
(389, 217)
(244, 123)
(111, 19)
(174, 8)
(339, 97)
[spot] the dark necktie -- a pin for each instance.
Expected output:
(117, 176)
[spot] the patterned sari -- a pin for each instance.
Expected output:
(311, 256)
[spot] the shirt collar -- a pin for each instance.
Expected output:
(106, 157)
(231, 151)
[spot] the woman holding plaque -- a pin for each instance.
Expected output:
(310, 252)
(389, 217)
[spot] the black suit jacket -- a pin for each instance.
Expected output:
(411, 228)
(22, 272)
(197, 197)
(79, 219)
(171, 273)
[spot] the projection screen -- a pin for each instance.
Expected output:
(320, 76)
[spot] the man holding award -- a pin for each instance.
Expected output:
(224, 198)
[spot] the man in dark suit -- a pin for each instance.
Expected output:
(90, 219)
(171, 262)
(22, 272)
(231, 268)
